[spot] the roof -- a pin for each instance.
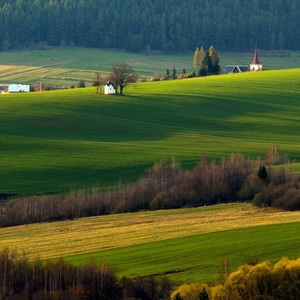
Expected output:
(255, 58)
(236, 68)
(109, 83)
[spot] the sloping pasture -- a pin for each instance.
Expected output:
(187, 245)
(59, 140)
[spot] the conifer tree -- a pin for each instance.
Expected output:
(214, 58)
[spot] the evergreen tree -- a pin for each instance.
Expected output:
(214, 58)
(167, 74)
(174, 73)
(263, 174)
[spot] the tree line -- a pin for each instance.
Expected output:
(150, 25)
(167, 186)
(23, 279)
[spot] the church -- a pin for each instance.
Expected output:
(255, 66)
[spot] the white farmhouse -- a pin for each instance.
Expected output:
(15, 88)
(109, 88)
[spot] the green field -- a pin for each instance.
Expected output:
(53, 142)
(187, 245)
(60, 140)
(59, 66)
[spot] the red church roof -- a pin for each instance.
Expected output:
(255, 58)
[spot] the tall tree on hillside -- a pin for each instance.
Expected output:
(196, 60)
(122, 75)
(215, 60)
(202, 54)
(199, 61)
(206, 66)
(96, 82)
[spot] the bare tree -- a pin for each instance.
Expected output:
(96, 82)
(122, 75)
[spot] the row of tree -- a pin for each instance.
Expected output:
(166, 185)
(146, 25)
(22, 279)
(206, 62)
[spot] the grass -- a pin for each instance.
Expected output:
(59, 66)
(56, 141)
(187, 244)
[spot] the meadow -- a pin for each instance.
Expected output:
(67, 66)
(187, 245)
(56, 141)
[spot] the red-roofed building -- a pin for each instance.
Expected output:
(256, 65)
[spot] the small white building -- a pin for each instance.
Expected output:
(109, 88)
(15, 88)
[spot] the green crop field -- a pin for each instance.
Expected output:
(188, 245)
(59, 66)
(60, 140)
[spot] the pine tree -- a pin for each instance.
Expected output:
(174, 73)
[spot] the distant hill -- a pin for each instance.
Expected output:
(151, 25)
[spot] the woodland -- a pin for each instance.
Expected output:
(167, 186)
(150, 25)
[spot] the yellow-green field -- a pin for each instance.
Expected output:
(124, 241)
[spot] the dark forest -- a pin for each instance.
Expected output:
(150, 25)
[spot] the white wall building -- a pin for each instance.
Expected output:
(15, 88)
(109, 88)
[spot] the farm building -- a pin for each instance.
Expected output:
(15, 88)
(109, 88)
(235, 69)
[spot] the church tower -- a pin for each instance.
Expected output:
(255, 66)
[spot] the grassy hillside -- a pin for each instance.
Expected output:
(56, 141)
(187, 244)
(60, 66)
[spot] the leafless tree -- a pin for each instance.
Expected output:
(122, 75)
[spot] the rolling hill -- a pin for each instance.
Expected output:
(53, 142)
(187, 245)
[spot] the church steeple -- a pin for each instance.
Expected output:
(255, 65)
(255, 58)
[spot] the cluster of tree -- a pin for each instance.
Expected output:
(21, 279)
(165, 25)
(166, 185)
(260, 281)
(206, 62)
